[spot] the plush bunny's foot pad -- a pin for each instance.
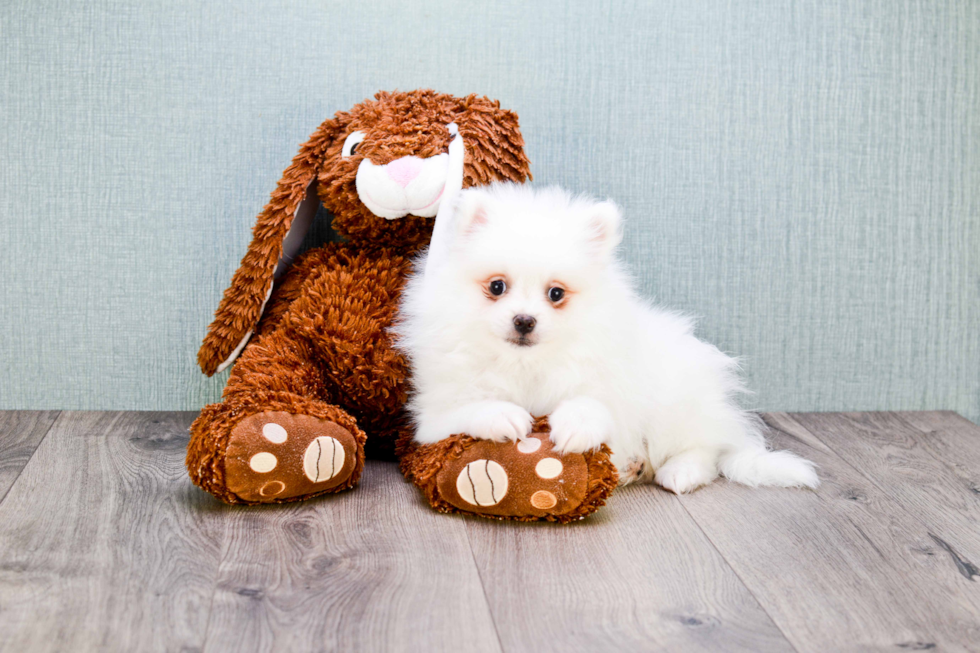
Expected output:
(274, 448)
(275, 455)
(526, 481)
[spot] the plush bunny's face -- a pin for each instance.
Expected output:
(382, 169)
(384, 173)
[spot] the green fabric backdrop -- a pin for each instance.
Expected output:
(804, 175)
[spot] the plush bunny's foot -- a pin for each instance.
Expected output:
(274, 449)
(527, 480)
(275, 456)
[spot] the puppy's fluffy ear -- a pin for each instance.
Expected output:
(472, 211)
(605, 227)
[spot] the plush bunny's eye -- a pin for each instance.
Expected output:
(350, 145)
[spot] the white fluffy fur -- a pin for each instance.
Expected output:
(603, 364)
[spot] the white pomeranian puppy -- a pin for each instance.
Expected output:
(529, 312)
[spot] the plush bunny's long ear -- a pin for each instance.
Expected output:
(276, 238)
(486, 146)
(442, 231)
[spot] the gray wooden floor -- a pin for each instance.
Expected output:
(106, 545)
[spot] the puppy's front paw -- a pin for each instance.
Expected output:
(579, 425)
(499, 421)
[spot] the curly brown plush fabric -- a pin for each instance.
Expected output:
(319, 382)
(582, 487)
(210, 432)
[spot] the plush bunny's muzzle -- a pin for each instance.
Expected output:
(409, 185)
(406, 185)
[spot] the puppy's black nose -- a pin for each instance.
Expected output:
(524, 324)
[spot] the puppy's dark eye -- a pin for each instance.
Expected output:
(497, 287)
(556, 294)
(353, 149)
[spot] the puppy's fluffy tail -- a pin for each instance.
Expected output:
(755, 466)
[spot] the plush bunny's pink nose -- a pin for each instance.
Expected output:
(404, 170)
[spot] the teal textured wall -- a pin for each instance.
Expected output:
(803, 175)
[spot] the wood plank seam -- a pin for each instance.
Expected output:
(105, 548)
(963, 567)
(483, 588)
(299, 573)
(214, 586)
(924, 607)
(16, 478)
(741, 580)
(214, 591)
(969, 570)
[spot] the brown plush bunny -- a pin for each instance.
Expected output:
(316, 377)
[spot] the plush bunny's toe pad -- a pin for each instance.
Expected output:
(527, 480)
(274, 456)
